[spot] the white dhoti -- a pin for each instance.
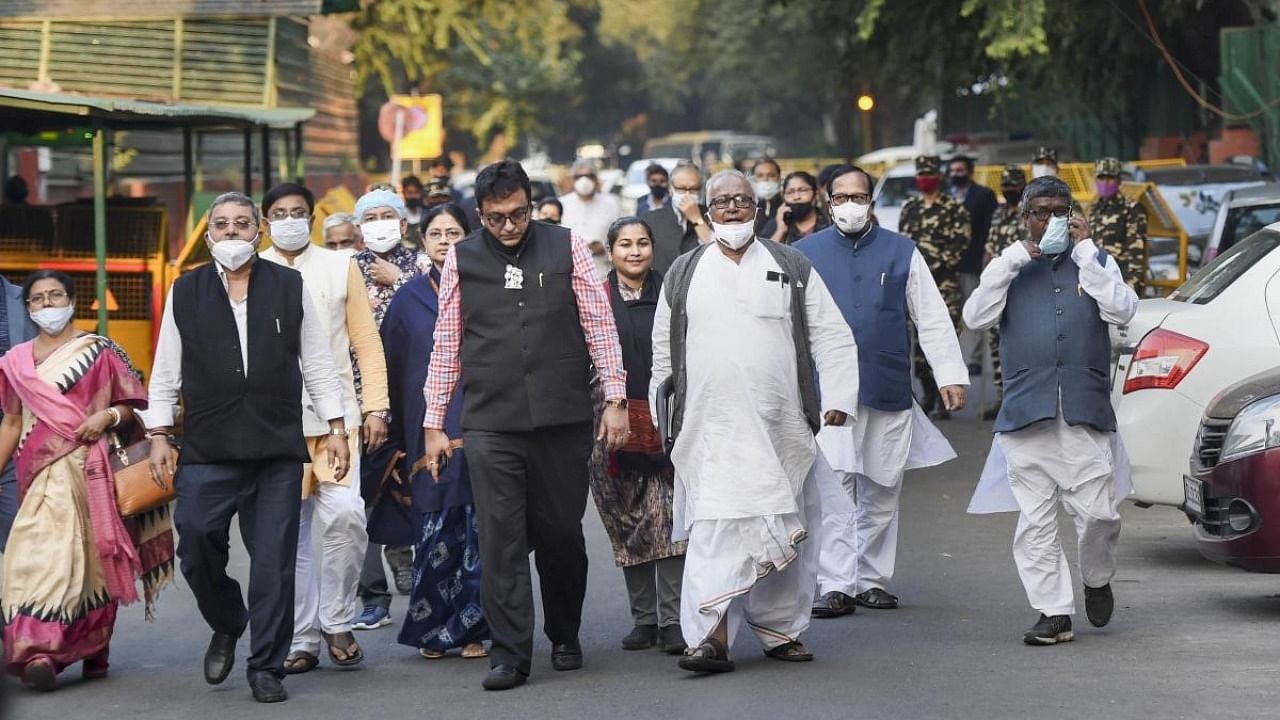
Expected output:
(759, 570)
(329, 604)
(860, 498)
(1030, 470)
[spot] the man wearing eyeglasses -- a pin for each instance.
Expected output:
(1054, 296)
(239, 341)
(522, 321)
(327, 609)
(880, 280)
(680, 226)
(741, 326)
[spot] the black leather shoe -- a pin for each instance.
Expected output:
(876, 599)
(671, 639)
(1099, 603)
(566, 656)
(834, 604)
(503, 677)
(267, 688)
(641, 637)
(219, 658)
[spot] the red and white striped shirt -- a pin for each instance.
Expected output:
(594, 312)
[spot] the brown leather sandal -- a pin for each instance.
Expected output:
(709, 657)
(344, 651)
(299, 662)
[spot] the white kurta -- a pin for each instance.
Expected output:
(745, 450)
(860, 509)
(1032, 468)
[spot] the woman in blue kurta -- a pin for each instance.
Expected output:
(444, 606)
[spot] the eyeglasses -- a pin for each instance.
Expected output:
(47, 299)
(497, 221)
(222, 224)
(1042, 214)
(739, 201)
(450, 234)
(298, 213)
(857, 198)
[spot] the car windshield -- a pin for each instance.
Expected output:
(895, 191)
(1218, 275)
(1245, 221)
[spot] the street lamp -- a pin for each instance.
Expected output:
(865, 104)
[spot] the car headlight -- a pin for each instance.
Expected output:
(1255, 429)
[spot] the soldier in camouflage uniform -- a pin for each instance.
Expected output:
(940, 227)
(1119, 225)
(1007, 228)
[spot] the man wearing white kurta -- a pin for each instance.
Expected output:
(328, 608)
(879, 280)
(1054, 297)
(751, 322)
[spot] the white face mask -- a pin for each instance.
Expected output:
(381, 235)
(1042, 170)
(734, 235)
(584, 186)
(53, 320)
(291, 234)
(767, 189)
(1055, 238)
(851, 217)
(232, 254)
(346, 252)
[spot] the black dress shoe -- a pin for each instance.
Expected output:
(876, 599)
(566, 656)
(219, 658)
(834, 604)
(1099, 603)
(503, 677)
(641, 637)
(267, 688)
(671, 639)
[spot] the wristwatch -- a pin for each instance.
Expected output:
(699, 222)
(383, 415)
(620, 403)
(338, 432)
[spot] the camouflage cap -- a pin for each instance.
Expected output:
(1045, 153)
(1013, 175)
(928, 164)
(437, 188)
(1108, 166)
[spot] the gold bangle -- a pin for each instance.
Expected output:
(115, 416)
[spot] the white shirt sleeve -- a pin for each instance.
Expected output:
(166, 373)
(661, 351)
(319, 373)
(986, 303)
(938, 337)
(833, 348)
(1117, 302)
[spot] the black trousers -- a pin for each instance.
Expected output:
(267, 496)
(530, 492)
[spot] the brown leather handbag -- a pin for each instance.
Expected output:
(136, 489)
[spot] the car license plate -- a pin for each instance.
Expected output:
(1194, 493)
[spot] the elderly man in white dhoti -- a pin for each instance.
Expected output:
(1054, 296)
(741, 328)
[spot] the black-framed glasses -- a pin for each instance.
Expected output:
(842, 198)
(222, 224)
(298, 213)
(1042, 214)
(741, 202)
(450, 234)
(52, 298)
(497, 221)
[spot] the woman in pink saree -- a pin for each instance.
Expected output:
(71, 559)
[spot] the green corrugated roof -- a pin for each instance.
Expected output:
(124, 113)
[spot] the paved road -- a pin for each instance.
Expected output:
(1190, 640)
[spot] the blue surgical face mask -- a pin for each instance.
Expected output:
(1055, 238)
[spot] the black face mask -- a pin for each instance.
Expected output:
(552, 221)
(800, 211)
(959, 181)
(413, 203)
(658, 191)
(1011, 197)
